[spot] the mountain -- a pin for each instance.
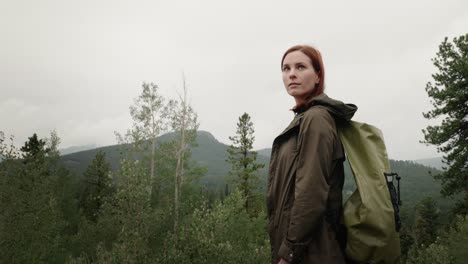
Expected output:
(265, 152)
(74, 149)
(213, 155)
(432, 162)
(209, 153)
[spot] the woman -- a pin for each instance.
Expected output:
(306, 169)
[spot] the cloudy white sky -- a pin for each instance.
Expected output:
(75, 66)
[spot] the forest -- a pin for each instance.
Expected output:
(170, 193)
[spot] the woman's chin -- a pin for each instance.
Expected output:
(294, 93)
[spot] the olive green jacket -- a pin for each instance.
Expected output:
(305, 183)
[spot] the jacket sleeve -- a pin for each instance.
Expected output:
(316, 141)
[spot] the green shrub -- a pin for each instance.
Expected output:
(224, 234)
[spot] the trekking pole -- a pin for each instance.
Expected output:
(389, 177)
(398, 186)
(394, 196)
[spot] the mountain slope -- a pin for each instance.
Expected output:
(417, 180)
(73, 149)
(432, 162)
(209, 153)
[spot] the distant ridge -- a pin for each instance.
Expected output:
(432, 162)
(73, 149)
(203, 133)
(209, 153)
(265, 152)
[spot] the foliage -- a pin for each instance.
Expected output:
(224, 234)
(457, 239)
(184, 123)
(435, 253)
(34, 202)
(208, 152)
(426, 221)
(417, 181)
(449, 94)
(162, 197)
(97, 186)
(34, 149)
(132, 216)
(148, 112)
(132, 223)
(243, 160)
(449, 247)
(406, 234)
(149, 115)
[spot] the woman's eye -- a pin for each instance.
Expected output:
(285, 69)
(301, 67)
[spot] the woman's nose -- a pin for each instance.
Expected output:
(292, 74)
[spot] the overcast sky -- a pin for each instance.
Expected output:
(75, 66)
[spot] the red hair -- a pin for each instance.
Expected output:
(317, 63)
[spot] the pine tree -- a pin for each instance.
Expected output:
(449, 94)
(34, 148)
(426, 221)
(243, 160)
(97, 186)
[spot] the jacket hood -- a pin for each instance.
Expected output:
(337, 108)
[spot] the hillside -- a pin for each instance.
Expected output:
(73, 149)
(209, 153)
(432, 162)
(265, 152)
(416, 182)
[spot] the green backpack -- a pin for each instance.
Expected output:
(370, 214)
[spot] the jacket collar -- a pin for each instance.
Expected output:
(338, 109)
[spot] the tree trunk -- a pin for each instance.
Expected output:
(180, 158)
(177, 192)
(153, 149)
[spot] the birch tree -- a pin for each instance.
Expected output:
(149, 115)
(184, 122)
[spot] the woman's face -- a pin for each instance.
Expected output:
(299, 76)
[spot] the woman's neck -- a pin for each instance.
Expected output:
(302, 100)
